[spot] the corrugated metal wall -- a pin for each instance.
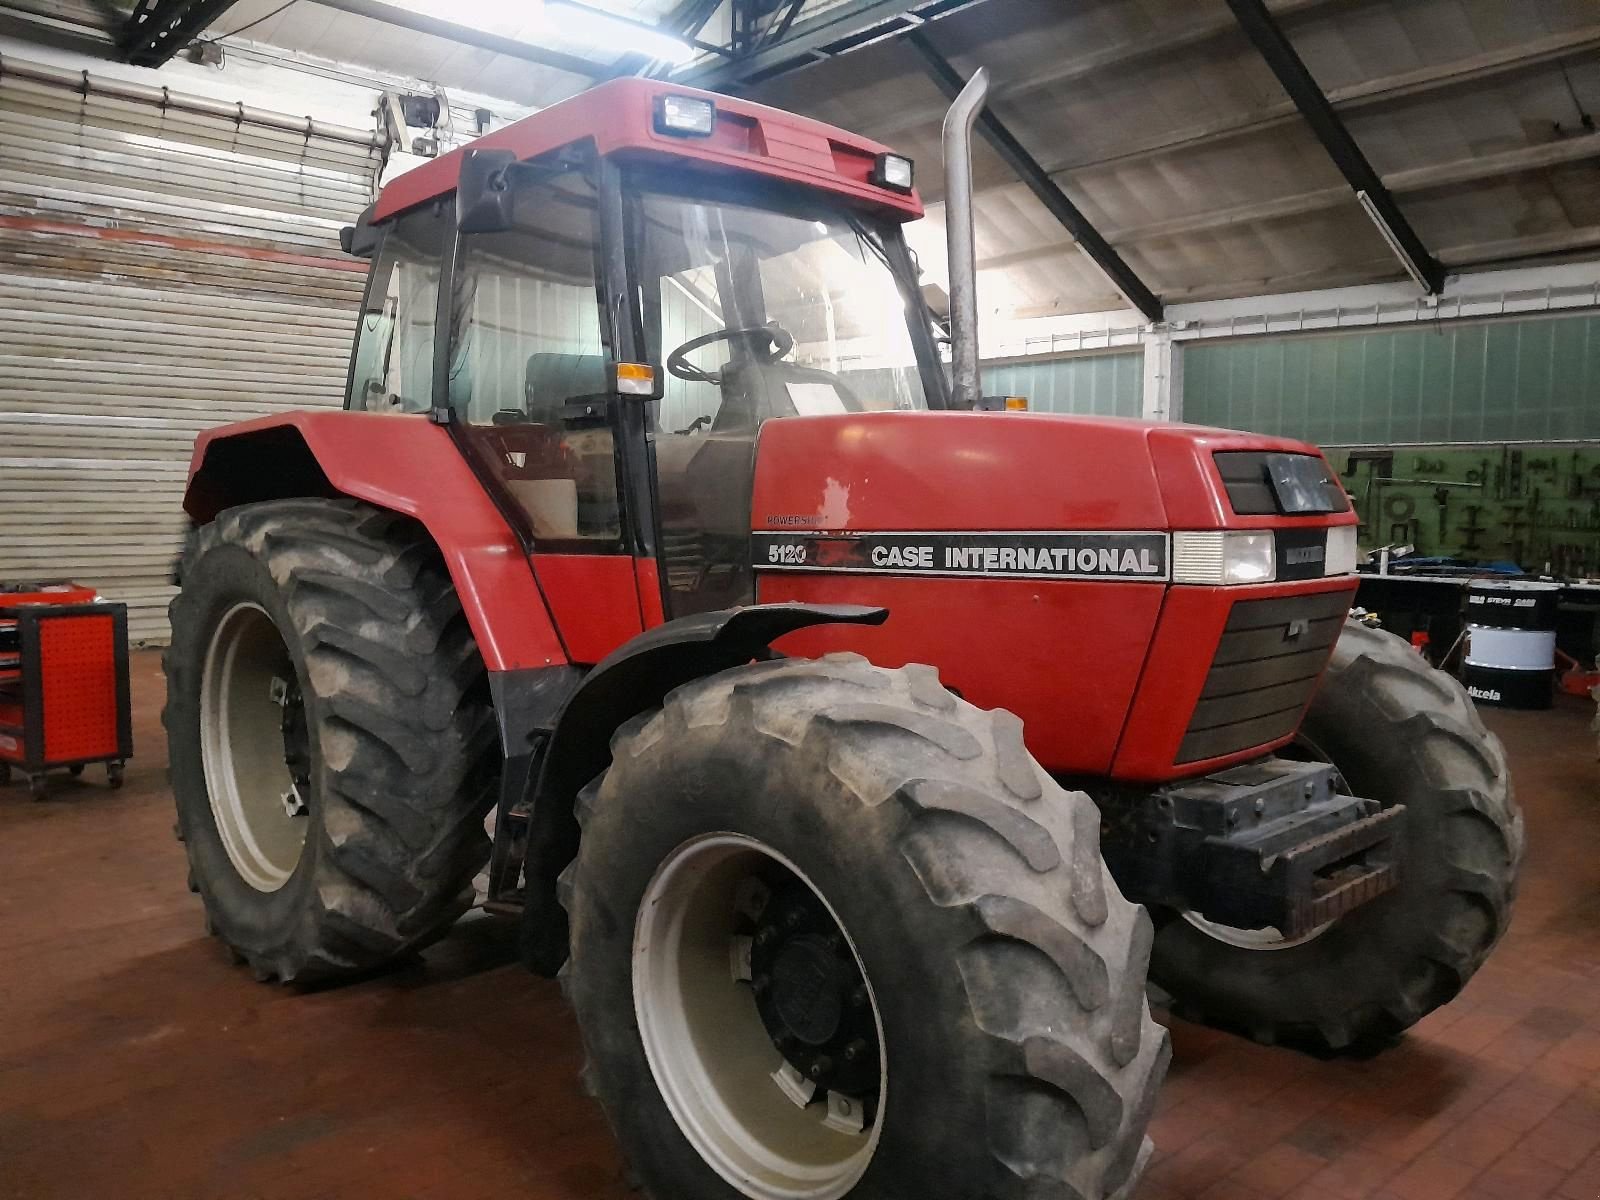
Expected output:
(1513, 380)
(161, 270)
(1106, 385)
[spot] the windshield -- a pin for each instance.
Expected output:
(763, 313)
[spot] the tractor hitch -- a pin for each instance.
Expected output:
(1271, 844)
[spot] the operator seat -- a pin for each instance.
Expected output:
(555, 461)
(553, 380)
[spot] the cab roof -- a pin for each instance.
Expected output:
(619, 119)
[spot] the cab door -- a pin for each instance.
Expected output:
(760, 304)
(529, 386)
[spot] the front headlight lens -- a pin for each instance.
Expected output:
(1221, 557)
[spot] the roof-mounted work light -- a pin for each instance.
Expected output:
(685, 116)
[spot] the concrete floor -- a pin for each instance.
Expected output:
(136, 1062)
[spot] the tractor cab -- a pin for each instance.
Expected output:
(613, 330)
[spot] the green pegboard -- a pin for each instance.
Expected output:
(1535, 505)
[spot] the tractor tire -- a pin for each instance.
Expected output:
(320, 662)
(1400, 732)
(968, 913)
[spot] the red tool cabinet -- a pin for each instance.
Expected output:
(63, 683)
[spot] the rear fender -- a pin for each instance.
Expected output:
(634, 679)
(405, 464)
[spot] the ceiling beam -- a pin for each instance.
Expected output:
(1432, 177)
(1166, 40)
(1353, 97)
(1564, 241)
(1274, 46)
(404, 18)
(1016, 156)
(157, 29)
(845, 27)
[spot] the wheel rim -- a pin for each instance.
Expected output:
(1254, 939)
(770, 1129)
(250, 713)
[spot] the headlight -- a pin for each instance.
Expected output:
(1218, 557)
(1342, 556)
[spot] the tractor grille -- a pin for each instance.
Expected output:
(1266, 667)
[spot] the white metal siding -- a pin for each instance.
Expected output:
(163, 268)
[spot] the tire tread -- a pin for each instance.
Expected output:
(991, 836)
(394, 664)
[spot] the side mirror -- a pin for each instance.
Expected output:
(483, 193)
(361, 239)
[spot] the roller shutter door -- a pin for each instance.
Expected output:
(163, 268)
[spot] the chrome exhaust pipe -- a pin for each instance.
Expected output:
(957, 139)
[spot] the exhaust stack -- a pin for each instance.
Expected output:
(957, 139)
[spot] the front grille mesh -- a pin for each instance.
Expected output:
(1266, 667)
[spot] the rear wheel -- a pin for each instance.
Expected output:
(1399, 732)
(330, 737)
(835, 934)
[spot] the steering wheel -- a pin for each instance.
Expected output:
(779, 343)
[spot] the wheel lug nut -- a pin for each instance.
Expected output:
(765, 935)
(760, 984)
(793, 918)
(855, 1050)
(858, 998)
(823, 1066)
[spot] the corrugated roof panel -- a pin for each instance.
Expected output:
(1165, 126)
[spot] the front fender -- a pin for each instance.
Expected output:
(403, 463)
(635, 678)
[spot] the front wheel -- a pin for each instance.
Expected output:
(834, 933)
(1399, 732)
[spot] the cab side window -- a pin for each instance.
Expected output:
(394, 340)
(530, 363)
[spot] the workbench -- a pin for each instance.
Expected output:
(1432, 604)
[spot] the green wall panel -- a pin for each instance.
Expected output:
(1108, 385)
(1525, 380)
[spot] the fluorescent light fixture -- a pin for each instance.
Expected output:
(609, 32)
(575, 25)
(1393, 242)
(685, 116)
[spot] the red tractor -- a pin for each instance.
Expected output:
(854, 752)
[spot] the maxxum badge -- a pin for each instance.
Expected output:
(1027, 555)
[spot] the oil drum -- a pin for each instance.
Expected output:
(1511, 642)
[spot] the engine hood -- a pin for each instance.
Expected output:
(999, 472)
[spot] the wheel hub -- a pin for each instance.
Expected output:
(296, 745)
(812, 995)
(807, 987)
